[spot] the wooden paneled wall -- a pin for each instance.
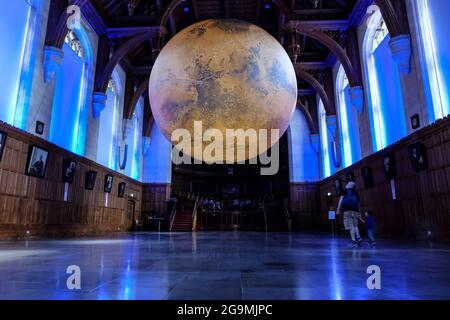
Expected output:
(155, 197)
(422, 207)
(304, 205)
(36, 207)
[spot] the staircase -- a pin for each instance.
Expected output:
(182, 221)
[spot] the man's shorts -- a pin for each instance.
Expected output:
(351, 219)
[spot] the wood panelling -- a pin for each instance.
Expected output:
(422, 207)
(155, 197)
(304, 205)
(38, 206)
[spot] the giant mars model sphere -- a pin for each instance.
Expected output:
(229, 74)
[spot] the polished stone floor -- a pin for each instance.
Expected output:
(221, 265)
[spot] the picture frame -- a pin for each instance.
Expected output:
(350, 176)
(367, 175)
(122, 188)
(37, 161)
(3, 138)
(69, 169)
(109, 179)
(415, 122)
(91, 177)
(418, 156)
(389, 167)
(40, 126)
(338, 187)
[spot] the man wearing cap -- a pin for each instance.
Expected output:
(349, 204)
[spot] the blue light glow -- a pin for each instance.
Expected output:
(326, 159)
(387, 115)
(13, 32)
(303, 159)
(137, 142)
(66, 103)
(71, 103)
(107, 126)
(434, 24)
(348, 118)
(393, 121)
(158, 162)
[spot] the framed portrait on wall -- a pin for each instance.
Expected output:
(108, 183)
(350, 177)
(91, 177)
(418, 156)
(122, 187)
(37, 161)
(3, 136)
(338, 187)
(69, 168)
(390, 169)
(367, 176)
(40, 126)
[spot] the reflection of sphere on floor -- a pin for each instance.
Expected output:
(229, 74)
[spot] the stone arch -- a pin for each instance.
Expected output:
(329, 107)
(102, 81)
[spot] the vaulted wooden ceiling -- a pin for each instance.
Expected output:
(330, 15)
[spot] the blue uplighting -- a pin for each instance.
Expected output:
(71, 104)
(158, 165)
(303, 160)
(13, 32)
(433, 25)
(389, 89)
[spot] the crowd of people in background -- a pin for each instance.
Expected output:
(215, 204)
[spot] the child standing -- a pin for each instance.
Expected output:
(370, 227)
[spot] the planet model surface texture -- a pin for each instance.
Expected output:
(228, 74)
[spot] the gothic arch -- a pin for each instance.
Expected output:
(329, 107)
(353, 74)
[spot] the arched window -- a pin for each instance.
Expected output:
(108, 127)
(324, 140)
(137, 141)
(14, 26)
(434, 49)
(348, 121)
(387, 115)
(71, 100)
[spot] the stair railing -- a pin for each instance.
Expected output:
(194, 215)
(173, 214)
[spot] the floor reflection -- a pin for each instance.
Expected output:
(221, 265)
